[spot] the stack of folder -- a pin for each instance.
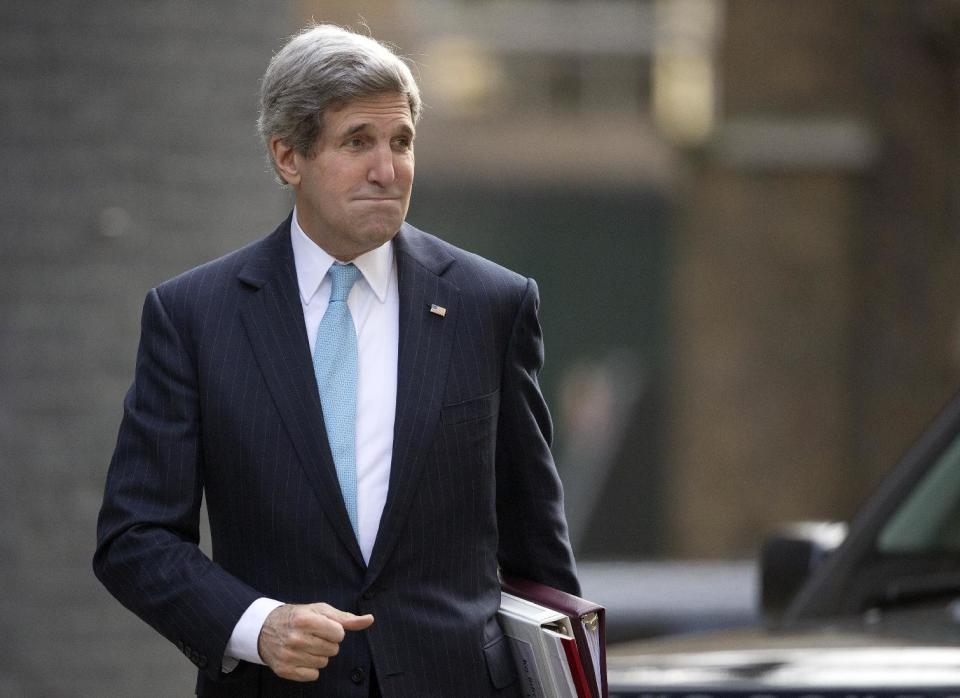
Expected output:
(557, 640)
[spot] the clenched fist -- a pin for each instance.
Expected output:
(297, 640)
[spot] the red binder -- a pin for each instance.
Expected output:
(582, 614)
(577, 671)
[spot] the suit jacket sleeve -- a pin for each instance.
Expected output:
(147, 535)
(534, 543)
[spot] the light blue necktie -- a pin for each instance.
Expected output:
(335, 366)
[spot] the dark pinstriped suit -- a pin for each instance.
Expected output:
(225, 400)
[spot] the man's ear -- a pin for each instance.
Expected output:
(284, 157)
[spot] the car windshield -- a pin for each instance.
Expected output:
(928, 520)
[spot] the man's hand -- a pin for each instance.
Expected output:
(296, 641)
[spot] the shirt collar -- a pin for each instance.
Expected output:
(313, 262)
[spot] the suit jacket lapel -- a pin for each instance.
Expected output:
(273, 319)
(426, 340)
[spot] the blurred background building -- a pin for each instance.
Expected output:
(744, 217)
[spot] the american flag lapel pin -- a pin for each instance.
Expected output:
(438, 310)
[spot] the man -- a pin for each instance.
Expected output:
(358, 401)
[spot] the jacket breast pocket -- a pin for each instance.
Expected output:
(472, 410)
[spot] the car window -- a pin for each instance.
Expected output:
(928, 521)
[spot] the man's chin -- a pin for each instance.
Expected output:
(376, 235)
(382, 227)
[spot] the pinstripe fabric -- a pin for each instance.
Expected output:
(224, 400)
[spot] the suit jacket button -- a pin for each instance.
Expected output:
(357, 675)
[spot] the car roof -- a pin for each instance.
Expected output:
(829, 590)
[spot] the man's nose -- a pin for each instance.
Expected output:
(381, 170)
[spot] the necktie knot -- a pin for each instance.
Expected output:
(343, 277)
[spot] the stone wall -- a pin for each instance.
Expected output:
(818, 265)
(129, 154)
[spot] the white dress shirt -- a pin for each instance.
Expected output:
(374, 303)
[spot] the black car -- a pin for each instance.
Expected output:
(873, 610)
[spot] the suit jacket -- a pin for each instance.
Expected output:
(225, 404)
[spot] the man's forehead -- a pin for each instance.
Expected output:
(379, 109)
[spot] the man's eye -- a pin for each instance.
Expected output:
(402, 143)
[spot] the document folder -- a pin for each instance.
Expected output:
(536, 636)
(585, 651)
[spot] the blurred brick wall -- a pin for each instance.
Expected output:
(816, 310)
(129, 154)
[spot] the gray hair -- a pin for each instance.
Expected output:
(322, 68)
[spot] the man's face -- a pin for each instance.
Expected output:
(353, 195)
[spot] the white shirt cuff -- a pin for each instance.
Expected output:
(246, 634)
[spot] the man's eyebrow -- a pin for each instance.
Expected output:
(405, 129)
(357, 129)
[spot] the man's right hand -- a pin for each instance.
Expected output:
(296, 641)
